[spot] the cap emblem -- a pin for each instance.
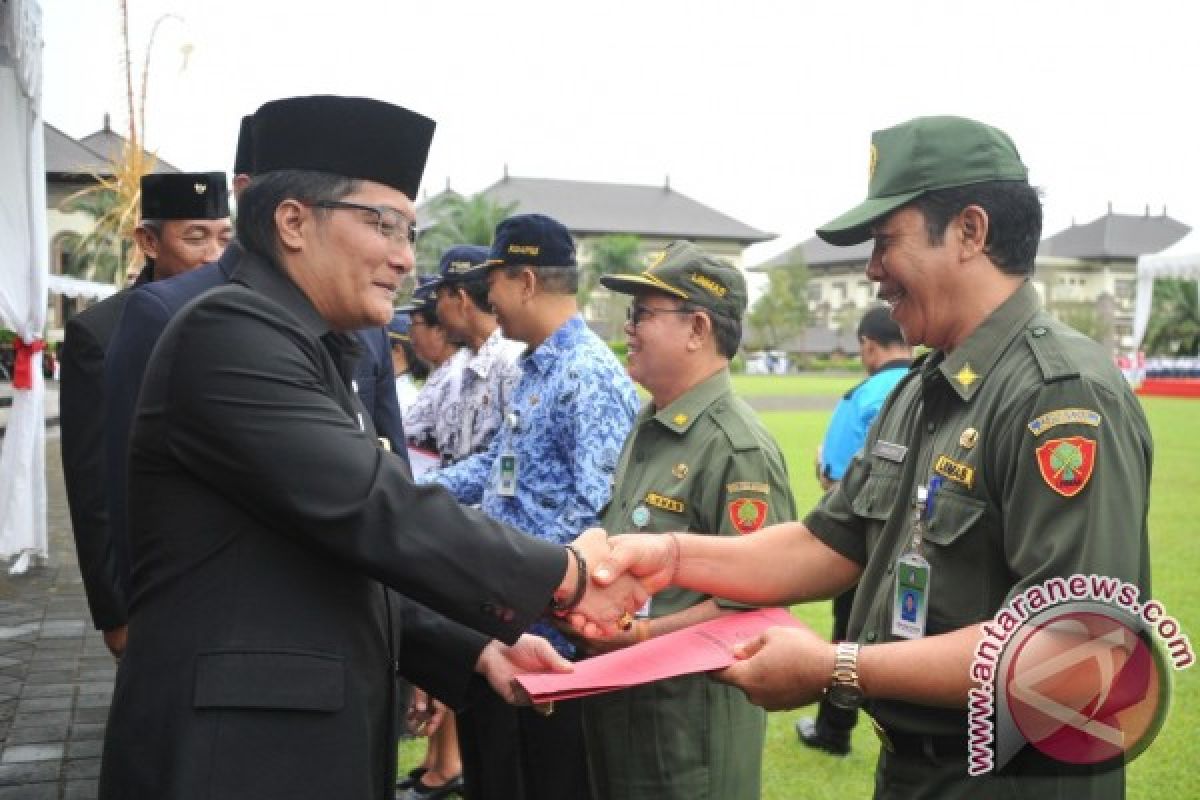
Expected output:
(872, 162)
(524, 249)
(708, 284)
(200, 188)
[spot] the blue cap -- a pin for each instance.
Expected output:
(397, 329)
(461, 263)
(533, 240)
(422, 296)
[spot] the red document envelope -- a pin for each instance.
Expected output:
(700, 648)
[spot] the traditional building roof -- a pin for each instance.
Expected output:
(91, 155)
(1115, 237)
(815, 252)
(601, 208)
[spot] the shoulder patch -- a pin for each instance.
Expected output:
(748, 515)
(1067, 464)
(748, 486)
(1064, 416)
(1048, 351)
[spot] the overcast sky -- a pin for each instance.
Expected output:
(762, 110)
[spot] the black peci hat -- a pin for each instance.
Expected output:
(243, 160)
(356, 137)
(185, 195)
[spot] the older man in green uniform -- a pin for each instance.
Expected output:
(698, 459)
(1044, 456)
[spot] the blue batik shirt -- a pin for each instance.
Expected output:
(568, 417)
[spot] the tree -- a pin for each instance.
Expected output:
(1174, 328)
(782, 312)
(1088, 320)
(458, 220)
(608, 255)
(113, 200)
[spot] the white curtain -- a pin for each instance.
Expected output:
(1180, 260)
(23, 254)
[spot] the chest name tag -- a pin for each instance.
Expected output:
(889, 451)
(665, 503)
(955, 470)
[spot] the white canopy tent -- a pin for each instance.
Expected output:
(69, 286)
(1180, 260)
(23, 256)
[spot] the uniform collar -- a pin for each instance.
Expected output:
(680, 415)
(968, 366)
(481, 361)
(272, 282)
(564, 337)
(229, 258)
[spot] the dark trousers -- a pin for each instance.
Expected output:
(831, 720)
(488, 740)
(518, 754)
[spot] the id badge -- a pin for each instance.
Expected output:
(506, 479)
(911, 601)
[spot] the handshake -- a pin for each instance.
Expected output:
(607, 580)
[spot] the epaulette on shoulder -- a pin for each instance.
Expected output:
(737, 429)
(1048, 348)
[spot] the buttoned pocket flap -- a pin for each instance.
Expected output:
(270, 679)
(953, 515)
(878, 494)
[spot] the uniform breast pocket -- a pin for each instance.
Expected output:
(957, 548)
(879, 492)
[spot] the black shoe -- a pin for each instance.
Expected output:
(410, 780)
(419, 791)
(811, 736)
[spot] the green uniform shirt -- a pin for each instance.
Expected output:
(703, 464)
(1045, 455)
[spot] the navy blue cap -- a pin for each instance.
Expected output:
(398, 328)
(422, 296)
(461, 263)
(533, 240)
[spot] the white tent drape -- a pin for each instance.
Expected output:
(1180, 260)
(69, 286)
(23, 254)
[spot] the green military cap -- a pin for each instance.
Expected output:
(686, 271)
(921, 155)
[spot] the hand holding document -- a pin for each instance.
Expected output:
(701, 648)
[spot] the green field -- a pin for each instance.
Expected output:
(1166, 770)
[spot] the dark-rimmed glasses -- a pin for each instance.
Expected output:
(636, 314)
(391, 224)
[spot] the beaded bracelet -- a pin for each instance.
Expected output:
(581, 580)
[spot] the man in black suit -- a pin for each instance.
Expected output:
(269, 520)
(184, 223)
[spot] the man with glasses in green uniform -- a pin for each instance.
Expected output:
(698, 459)
(1044, 454)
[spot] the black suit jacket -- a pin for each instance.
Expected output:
(81, 421)
(266, 525)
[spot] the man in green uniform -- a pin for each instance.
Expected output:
(1043, 451)
(698, 459)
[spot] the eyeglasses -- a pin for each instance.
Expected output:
(636, 314)
(390, 223)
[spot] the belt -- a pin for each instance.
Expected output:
(934, 748)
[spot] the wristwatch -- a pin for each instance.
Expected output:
(845, 691)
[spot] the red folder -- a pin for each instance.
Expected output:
(700, 648)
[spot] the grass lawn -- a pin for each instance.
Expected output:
(817, 384)
(1166, 770)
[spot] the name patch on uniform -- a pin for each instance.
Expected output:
(889, 451)
(748, 486)
(955, 470)
(1064, 416)
(665, 503)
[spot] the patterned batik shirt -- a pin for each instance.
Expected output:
(489, 380)
(565, 426)
(429, 423)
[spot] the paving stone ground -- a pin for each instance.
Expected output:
(56, 676)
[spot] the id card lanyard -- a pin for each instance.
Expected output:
(910, 601)
(506, 476)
